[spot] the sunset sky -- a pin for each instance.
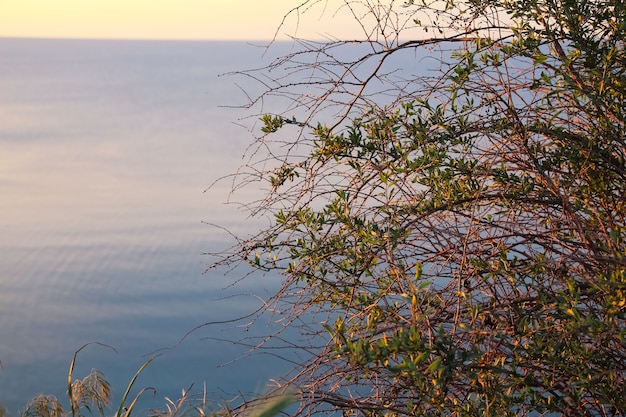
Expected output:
(168, 19)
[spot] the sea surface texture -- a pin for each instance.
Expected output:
(106, 150)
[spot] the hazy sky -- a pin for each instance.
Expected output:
(166, 19)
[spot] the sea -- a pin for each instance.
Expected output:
(109, 155)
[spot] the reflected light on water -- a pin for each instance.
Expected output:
(106, 148)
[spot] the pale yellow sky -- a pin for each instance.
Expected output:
(169, 19)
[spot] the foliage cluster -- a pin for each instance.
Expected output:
(464, 240)
(93, 395)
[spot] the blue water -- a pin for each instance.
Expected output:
(106, 150)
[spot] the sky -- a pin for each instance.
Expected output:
(169, 19)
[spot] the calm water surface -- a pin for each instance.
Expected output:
(106, 148)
